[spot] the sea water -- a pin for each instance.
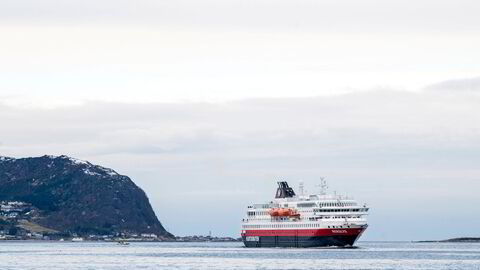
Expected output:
(103, 255)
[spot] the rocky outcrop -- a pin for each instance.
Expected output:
(78, 197)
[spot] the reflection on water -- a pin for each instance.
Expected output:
(369, 255)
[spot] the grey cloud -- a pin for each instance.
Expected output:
(459, 85)
(333, 16)
(374, 145)
(250, 127)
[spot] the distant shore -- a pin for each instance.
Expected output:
(91, 238)
(453, 240)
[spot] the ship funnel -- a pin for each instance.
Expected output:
(284, 191)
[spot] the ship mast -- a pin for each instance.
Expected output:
(323, 186)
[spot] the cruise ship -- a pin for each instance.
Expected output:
(316, 220)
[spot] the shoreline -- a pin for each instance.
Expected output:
(453, 240)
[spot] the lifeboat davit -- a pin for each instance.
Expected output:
(293, 213)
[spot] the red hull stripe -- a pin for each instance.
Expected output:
(315, 232)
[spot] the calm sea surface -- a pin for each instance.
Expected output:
(369, 255)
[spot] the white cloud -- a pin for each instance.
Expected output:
(56, 53)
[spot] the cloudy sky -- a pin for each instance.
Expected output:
(205, 104)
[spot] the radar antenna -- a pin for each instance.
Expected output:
(323, 186)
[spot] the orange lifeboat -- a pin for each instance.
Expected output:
(283, 212)
(274, 212)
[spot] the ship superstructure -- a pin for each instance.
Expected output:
(292, 220)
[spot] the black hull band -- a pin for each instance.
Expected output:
(300, 241)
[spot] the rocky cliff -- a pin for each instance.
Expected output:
(78, 197)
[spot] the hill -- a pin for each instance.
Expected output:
(75, 196)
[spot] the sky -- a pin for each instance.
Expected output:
(206, 104)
